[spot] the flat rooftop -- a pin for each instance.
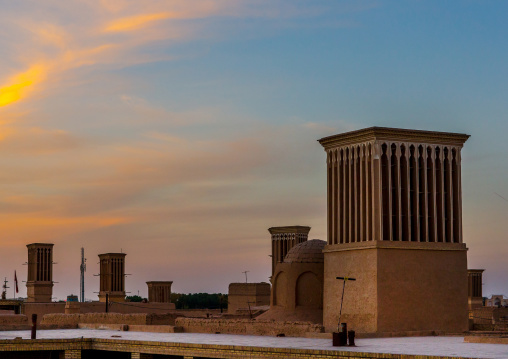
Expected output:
(448, 346)
(393, 134)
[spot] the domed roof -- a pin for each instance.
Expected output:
(306, 252)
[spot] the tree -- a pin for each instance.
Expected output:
(200, 300)
(133, 298)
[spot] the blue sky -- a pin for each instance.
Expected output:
(180, 131)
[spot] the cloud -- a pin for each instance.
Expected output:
(135, 22)
(38, 141)
(45, 227)
(161, 188)
(63, 42)
(20, 85)
(50, 34)
(89, 156)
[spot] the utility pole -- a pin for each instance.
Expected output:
(82, 269)
(344, 279)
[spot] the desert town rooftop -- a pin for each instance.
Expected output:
(444, 346)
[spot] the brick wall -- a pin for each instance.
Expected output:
(490, 318)
(72, 320)
(14, 322)
(245, 326)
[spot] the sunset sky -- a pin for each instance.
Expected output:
(178, 131)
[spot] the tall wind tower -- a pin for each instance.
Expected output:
(39, 284)
(82, 269)
(395, 224)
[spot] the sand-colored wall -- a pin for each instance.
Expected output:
(246, 326)
(241, 295)
(14, 322)
(72, 320)
(360, 297)
(42, 309)
(190, 325)
(421, 290)
(97, 307)
(490, 318)
(197, 313)
(400, 287)
(126, 307)
(261, 288)
(300, 314)
(297, 285)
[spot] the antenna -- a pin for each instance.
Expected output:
(82, 269)
(245, 272)
(4, 292)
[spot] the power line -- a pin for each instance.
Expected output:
(497, 194)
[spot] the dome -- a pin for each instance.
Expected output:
(306, 252)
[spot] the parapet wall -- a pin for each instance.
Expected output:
(14, 322)
(490, 318)
(72, 320)
(42, 309)
(246, 295)
(249, 289)
(248, 327)
(126, 307)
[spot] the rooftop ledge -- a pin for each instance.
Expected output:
(433, 246)
(393, 134)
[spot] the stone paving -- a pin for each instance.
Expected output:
(439, 346)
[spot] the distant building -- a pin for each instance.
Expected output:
(247, 295)
(497, 300)
(72, 298)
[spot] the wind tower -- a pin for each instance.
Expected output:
(39, 284)
(474, 288)
(285, 238)
(112, 277)
(395, 224)
(159, 291)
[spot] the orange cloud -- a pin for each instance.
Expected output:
(19, 85)
(92, 221)
(51, 34)
(135, 22)
(25, 226)
(5, 130)
(37, 141)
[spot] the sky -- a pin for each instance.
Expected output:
(179, 131)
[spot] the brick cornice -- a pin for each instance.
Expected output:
(393, 134)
